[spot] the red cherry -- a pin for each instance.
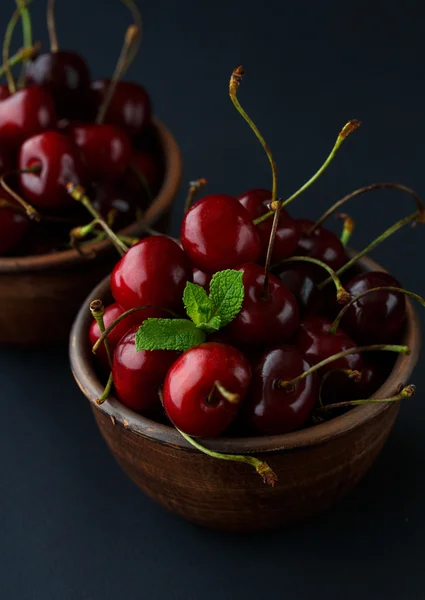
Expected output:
(315, 341)
(321, 244)
(13, 227)
(24, 114)
(338, 387)
(4, 91)
(201, 278)
(111, 196)
(105, 149)
(66, 76)
(257, 203)
(302, 279)
(153, 272)
(217, 233)
(130, 107)
(138, 376)
(147, 166)
(60, 164)
(272, 409)
(191, 399)
(263, 321)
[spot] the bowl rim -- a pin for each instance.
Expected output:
(164, 197)
(87, 380)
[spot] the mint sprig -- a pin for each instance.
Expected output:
(208, 313)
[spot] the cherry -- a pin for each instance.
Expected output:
(113, 197)
(105, 150)
(24, 114)
(338, 387)
(4, 91)
(201, 278)
(271, 409)
(315, 341)
(217, 233)
(153, 272)
(147, 166)
(301, 279)
(7, 161)
(13, 227)
(130, 107)
(112, 312)
(263, 320)
(138, 376)
(192, 399)
(66, 76)
(321, 244)
(377, 317)
(59, 164)
(257, 203)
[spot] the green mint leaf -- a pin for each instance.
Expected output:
(168, 334)
(227, 294)
(197, 304)
(213, 324)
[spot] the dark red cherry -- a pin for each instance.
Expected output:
(138, 376)
(315, 341)
(257, 203)
(13, 227)
(130, 107)
(153, 272)
(339, 388)
(377, 317)
(271, 409)
(263, 321)
(201, 278)
(217, 233)
(106, 150)
(321, 244)
(147, 167)
(191, 399)
(7, 161)
(24, 114)
(112, 312)
(4, 91)
(125, 204)
(302, 279)
(66, 76)
(59, 162)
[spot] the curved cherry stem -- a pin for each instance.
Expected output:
(194, 189)
(347, 228)
(364, 190)
(278, 208)
(229, 396)
(32, 213)
(268, 475)
(388, 288)
(407, 392)
(6, 48)
(137, 18)
(344, 133)
(123, 63)
(342, 295)
(51, 26)
(106, 392)
(357, 350)
(97, 310)
(123, 316)
(23, 54)
(350, 373)
(235, 81)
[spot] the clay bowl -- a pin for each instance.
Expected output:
(316, 466)
(40, 295)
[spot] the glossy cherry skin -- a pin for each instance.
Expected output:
(147, 166)
(112, 312)
(201, 278)
(105, 150)
(271, 409)
(257, 203)
(24, 114)
(66, 76)
(315, 341)
(191, 399)
(263, 321)
(217, 233)
(301, 279)
(138, 376)
(153, 272)
(130, 108)
(378, 317)
(125, 204)
(60, 163)
(13, 227)
(321, 244)
(340, 388)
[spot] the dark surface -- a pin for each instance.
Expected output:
(72, 526)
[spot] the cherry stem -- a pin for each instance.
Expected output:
(137, 18)
(123, 316)
(32, 213)
(277, 206)
(235, 81)
(194, 189)
(416, 216)
(364, 190)
(23, 54)
(347, 228)
(51, 26)
(268, 475)
(229, 396)
(357, 350)
(123, 63)
(97, 310)
(351, 374)
(342, 295)
(6, 48)
(142, 180)
(406, 392)
(344, 133)
(389, 288)
(78, 193)
(106, 392)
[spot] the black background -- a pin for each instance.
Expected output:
(72, 526)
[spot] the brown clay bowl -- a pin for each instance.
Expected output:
(316, 466)
(40, 295)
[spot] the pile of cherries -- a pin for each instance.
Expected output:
(51, 135)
